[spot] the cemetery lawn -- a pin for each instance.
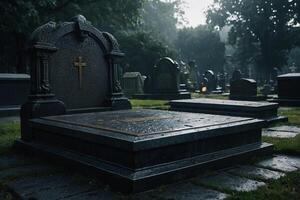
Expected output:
(154, 104)
(8, 134)
(290, 146)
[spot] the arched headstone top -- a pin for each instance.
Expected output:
(47, 35)
(167, 62)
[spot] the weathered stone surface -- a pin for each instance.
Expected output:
(261, 110)
(230, 182)
(279, 134)
(281, 163)
(293, 129)
(256, 172)
(182, 191)
(145, 122)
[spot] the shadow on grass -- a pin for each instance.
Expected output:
(8, 134)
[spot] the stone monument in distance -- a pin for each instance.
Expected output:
(164, 83)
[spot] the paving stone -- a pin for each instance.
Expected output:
(12, 161)
(182, 191)
(279, 134)
(57, 186)
(281, 163)
(294, 129)
(230, 182)
(25, 170)
(256, 172)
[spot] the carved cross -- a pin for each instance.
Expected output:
(79, 64)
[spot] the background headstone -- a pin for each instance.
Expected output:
(133, 83)
(14, 89)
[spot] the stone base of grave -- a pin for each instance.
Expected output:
(260, 110)
(8, 111)
(137, 150)
(165, 96)
(248, 98)
(286, 102)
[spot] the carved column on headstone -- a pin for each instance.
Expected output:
(41, 102)
(118, 100)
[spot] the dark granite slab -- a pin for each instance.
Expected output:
(144, 122)
(135, 150)
(288, 90)
(14, 89)
(163, 96)
(261, 110)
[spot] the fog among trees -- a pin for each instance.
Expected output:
(262, 35)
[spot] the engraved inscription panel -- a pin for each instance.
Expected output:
(91, 88)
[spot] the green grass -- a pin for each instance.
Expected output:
(211, 96)
(136, 103)
(8, 134)
(292, 113)
(290, 146)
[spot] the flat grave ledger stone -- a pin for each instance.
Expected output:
(288, 89)
(136, 150)
(243, 89)
(164, 82)
(14, 89)
(73, 69)
(260, 110)
(133, 83)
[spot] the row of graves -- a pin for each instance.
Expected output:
(77, 115)
(163, 83)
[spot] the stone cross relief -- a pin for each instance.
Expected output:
(80, 64)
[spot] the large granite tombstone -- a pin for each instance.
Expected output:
(164, 83)
(288, 89)
(243, 89)
(73, 69)
(133, 83)
(132, 150)
(14, 89)
(136, 150)
(260, 110)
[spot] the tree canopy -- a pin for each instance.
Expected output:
(203, 45)
(268, 25)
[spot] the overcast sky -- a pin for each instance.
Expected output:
(194, 11)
